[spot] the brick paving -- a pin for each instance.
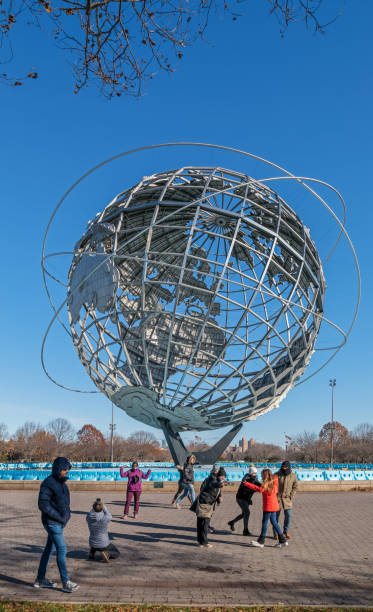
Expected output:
(329, 559)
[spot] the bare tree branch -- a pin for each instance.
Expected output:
(119, 44)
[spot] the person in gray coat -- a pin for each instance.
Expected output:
(98, 520)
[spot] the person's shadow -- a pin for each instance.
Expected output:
(30, 548)
(12, 580)
(78, 554)
(142, 503)
(137, 523)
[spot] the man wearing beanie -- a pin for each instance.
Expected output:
(287, 487)
(54, 503)
(243, 498)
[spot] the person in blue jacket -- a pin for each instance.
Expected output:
(54, 504)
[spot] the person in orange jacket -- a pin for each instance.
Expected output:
(269, 490)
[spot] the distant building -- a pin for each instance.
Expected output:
(238, 451)
(244, 445)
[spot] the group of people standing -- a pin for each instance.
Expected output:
(277, 490)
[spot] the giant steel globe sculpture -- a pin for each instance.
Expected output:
(194, 300)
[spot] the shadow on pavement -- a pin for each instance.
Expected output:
(30, 548)
(78, 554)
(12, 580)
(142, 503)
(137, 523)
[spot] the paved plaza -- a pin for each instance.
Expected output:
(329, 559)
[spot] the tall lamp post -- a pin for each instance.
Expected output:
(332, 383)
(112, 427)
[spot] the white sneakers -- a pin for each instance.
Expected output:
(70, 587)
(259, 545)
(44, 584)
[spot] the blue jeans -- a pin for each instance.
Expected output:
(56, 542)
(270, 516)
(188, 490)
(287, 514)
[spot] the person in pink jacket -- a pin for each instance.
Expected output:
(134, 487)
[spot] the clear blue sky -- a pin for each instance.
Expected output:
(303, 101)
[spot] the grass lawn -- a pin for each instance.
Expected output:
(34, 606)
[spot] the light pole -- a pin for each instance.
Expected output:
(332, 383)
(112, 427)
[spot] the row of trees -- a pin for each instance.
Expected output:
(33, 442)
(349, 446)
(308, 447)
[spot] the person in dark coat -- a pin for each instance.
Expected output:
(188, 481)
(243, 498)
(208, 497)
(98, 520)
(54, 504)
(214, 473)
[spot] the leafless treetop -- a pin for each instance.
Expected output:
(119, 44)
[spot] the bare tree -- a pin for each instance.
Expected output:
(120, 43)
(24, 441)
(143, 437)
(143, 445)
(62, 430)
(4, 436)
(364, 432)
(4, 433)
(264, 452)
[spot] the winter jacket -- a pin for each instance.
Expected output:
(134, 478)
(244, 492)
(188, 473)
(54, 495)
(287, 487)
(98, 524)
(210, 491)
(270, 502)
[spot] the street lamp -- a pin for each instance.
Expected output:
(332, 383)
(112, 427)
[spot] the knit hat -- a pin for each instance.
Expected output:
(98, 506)
(253, 470)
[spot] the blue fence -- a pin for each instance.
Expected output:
(165, 464)
(172, 475)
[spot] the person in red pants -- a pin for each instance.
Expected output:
(134, 487)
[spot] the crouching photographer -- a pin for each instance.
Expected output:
(98, 520)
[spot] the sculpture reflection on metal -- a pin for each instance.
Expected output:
(194, 300)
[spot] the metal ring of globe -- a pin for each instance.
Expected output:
(219, 390)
